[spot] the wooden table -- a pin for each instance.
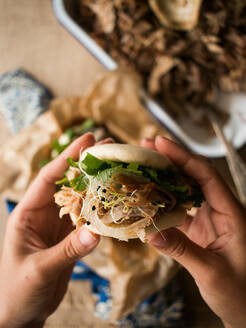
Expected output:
(32, 39)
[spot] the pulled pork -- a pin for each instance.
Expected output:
(180, 69)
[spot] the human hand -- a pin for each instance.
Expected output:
(40, 249)
(211, 246)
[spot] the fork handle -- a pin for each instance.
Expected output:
(235, 162)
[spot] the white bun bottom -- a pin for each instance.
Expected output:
(140, 229)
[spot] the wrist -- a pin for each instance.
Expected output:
(11, 324)
(33, 324)
(227, 326)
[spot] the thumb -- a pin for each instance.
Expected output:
(76, 245)
(174, 243)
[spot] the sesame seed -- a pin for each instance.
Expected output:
(104, 190)
(88, 223)
(103, 199)
(93, 208)
(98, 188)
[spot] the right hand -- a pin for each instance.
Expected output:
(211, 246)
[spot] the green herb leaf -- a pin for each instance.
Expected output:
(151, 173)
(105, 175)
(112, 164)
(62, 181)
(71, 162)
(91, 164)
(86, 125)
(71, 134)
(133, 166)
(44, 162)
(56, 146)
(183, 188)
(171, 187)
(81, 183)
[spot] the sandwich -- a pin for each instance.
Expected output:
(70, 134)
(125, 192)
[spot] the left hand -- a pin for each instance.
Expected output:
(40, 249)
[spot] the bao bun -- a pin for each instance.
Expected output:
(128, 154)
(142, 228)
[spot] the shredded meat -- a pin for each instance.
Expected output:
(147, 193)
(69, 200)
(123, 200)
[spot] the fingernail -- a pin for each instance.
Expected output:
(89, 134)
(147, 139)
(111, 140)
(161, 138)
(158, 240)
(87, 238)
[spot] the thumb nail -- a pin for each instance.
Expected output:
(87, 238)
(160, 138)
(159, 240)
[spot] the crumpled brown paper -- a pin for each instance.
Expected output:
(112, 101)
(20, 156)
(135, 270)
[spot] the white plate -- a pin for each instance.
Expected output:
(192, 136)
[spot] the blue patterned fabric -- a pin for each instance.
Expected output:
(22, 99)
(163, 309)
